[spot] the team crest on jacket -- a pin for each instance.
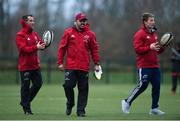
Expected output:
(72, 36)
(156, 37)
(28, 38)
(148, 37)
(35, 37)
(86, 37)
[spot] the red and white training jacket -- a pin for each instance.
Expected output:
(78, 46)
(146, 58)
(26, 41)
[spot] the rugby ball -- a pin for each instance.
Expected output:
(166, 39)
(98, 73)
(48, 37)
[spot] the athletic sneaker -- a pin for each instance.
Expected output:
(125, 106)
(68, 111)
(156, 111)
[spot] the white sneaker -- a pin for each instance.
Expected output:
(125, 107)
(156, 111)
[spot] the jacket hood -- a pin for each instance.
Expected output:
(143, 27)
(25, 26)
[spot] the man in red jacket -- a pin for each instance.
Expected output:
(147, 49)
(78, 43)
(28, 43)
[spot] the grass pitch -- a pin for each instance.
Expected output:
(103, 103)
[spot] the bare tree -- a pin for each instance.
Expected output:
(5, 25)
(114, 22)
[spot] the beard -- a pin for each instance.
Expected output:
(80, 27)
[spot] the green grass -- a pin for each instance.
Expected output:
(103, 103)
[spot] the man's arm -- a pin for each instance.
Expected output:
(62, 49)
(139, 44)
(94, 48)
(22, 46)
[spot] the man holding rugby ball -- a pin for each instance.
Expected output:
(147, 50)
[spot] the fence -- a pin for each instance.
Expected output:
(122, 71)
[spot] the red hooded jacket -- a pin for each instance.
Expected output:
(26, 41)
(78, 46)
(146, 58)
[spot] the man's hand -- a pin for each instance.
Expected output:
(96, 68)
(155, 46)
(98, 72)
(61, 67)
(41, 46)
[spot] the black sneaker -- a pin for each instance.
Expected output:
(81, 115)
(28, 113)
(68, 111)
